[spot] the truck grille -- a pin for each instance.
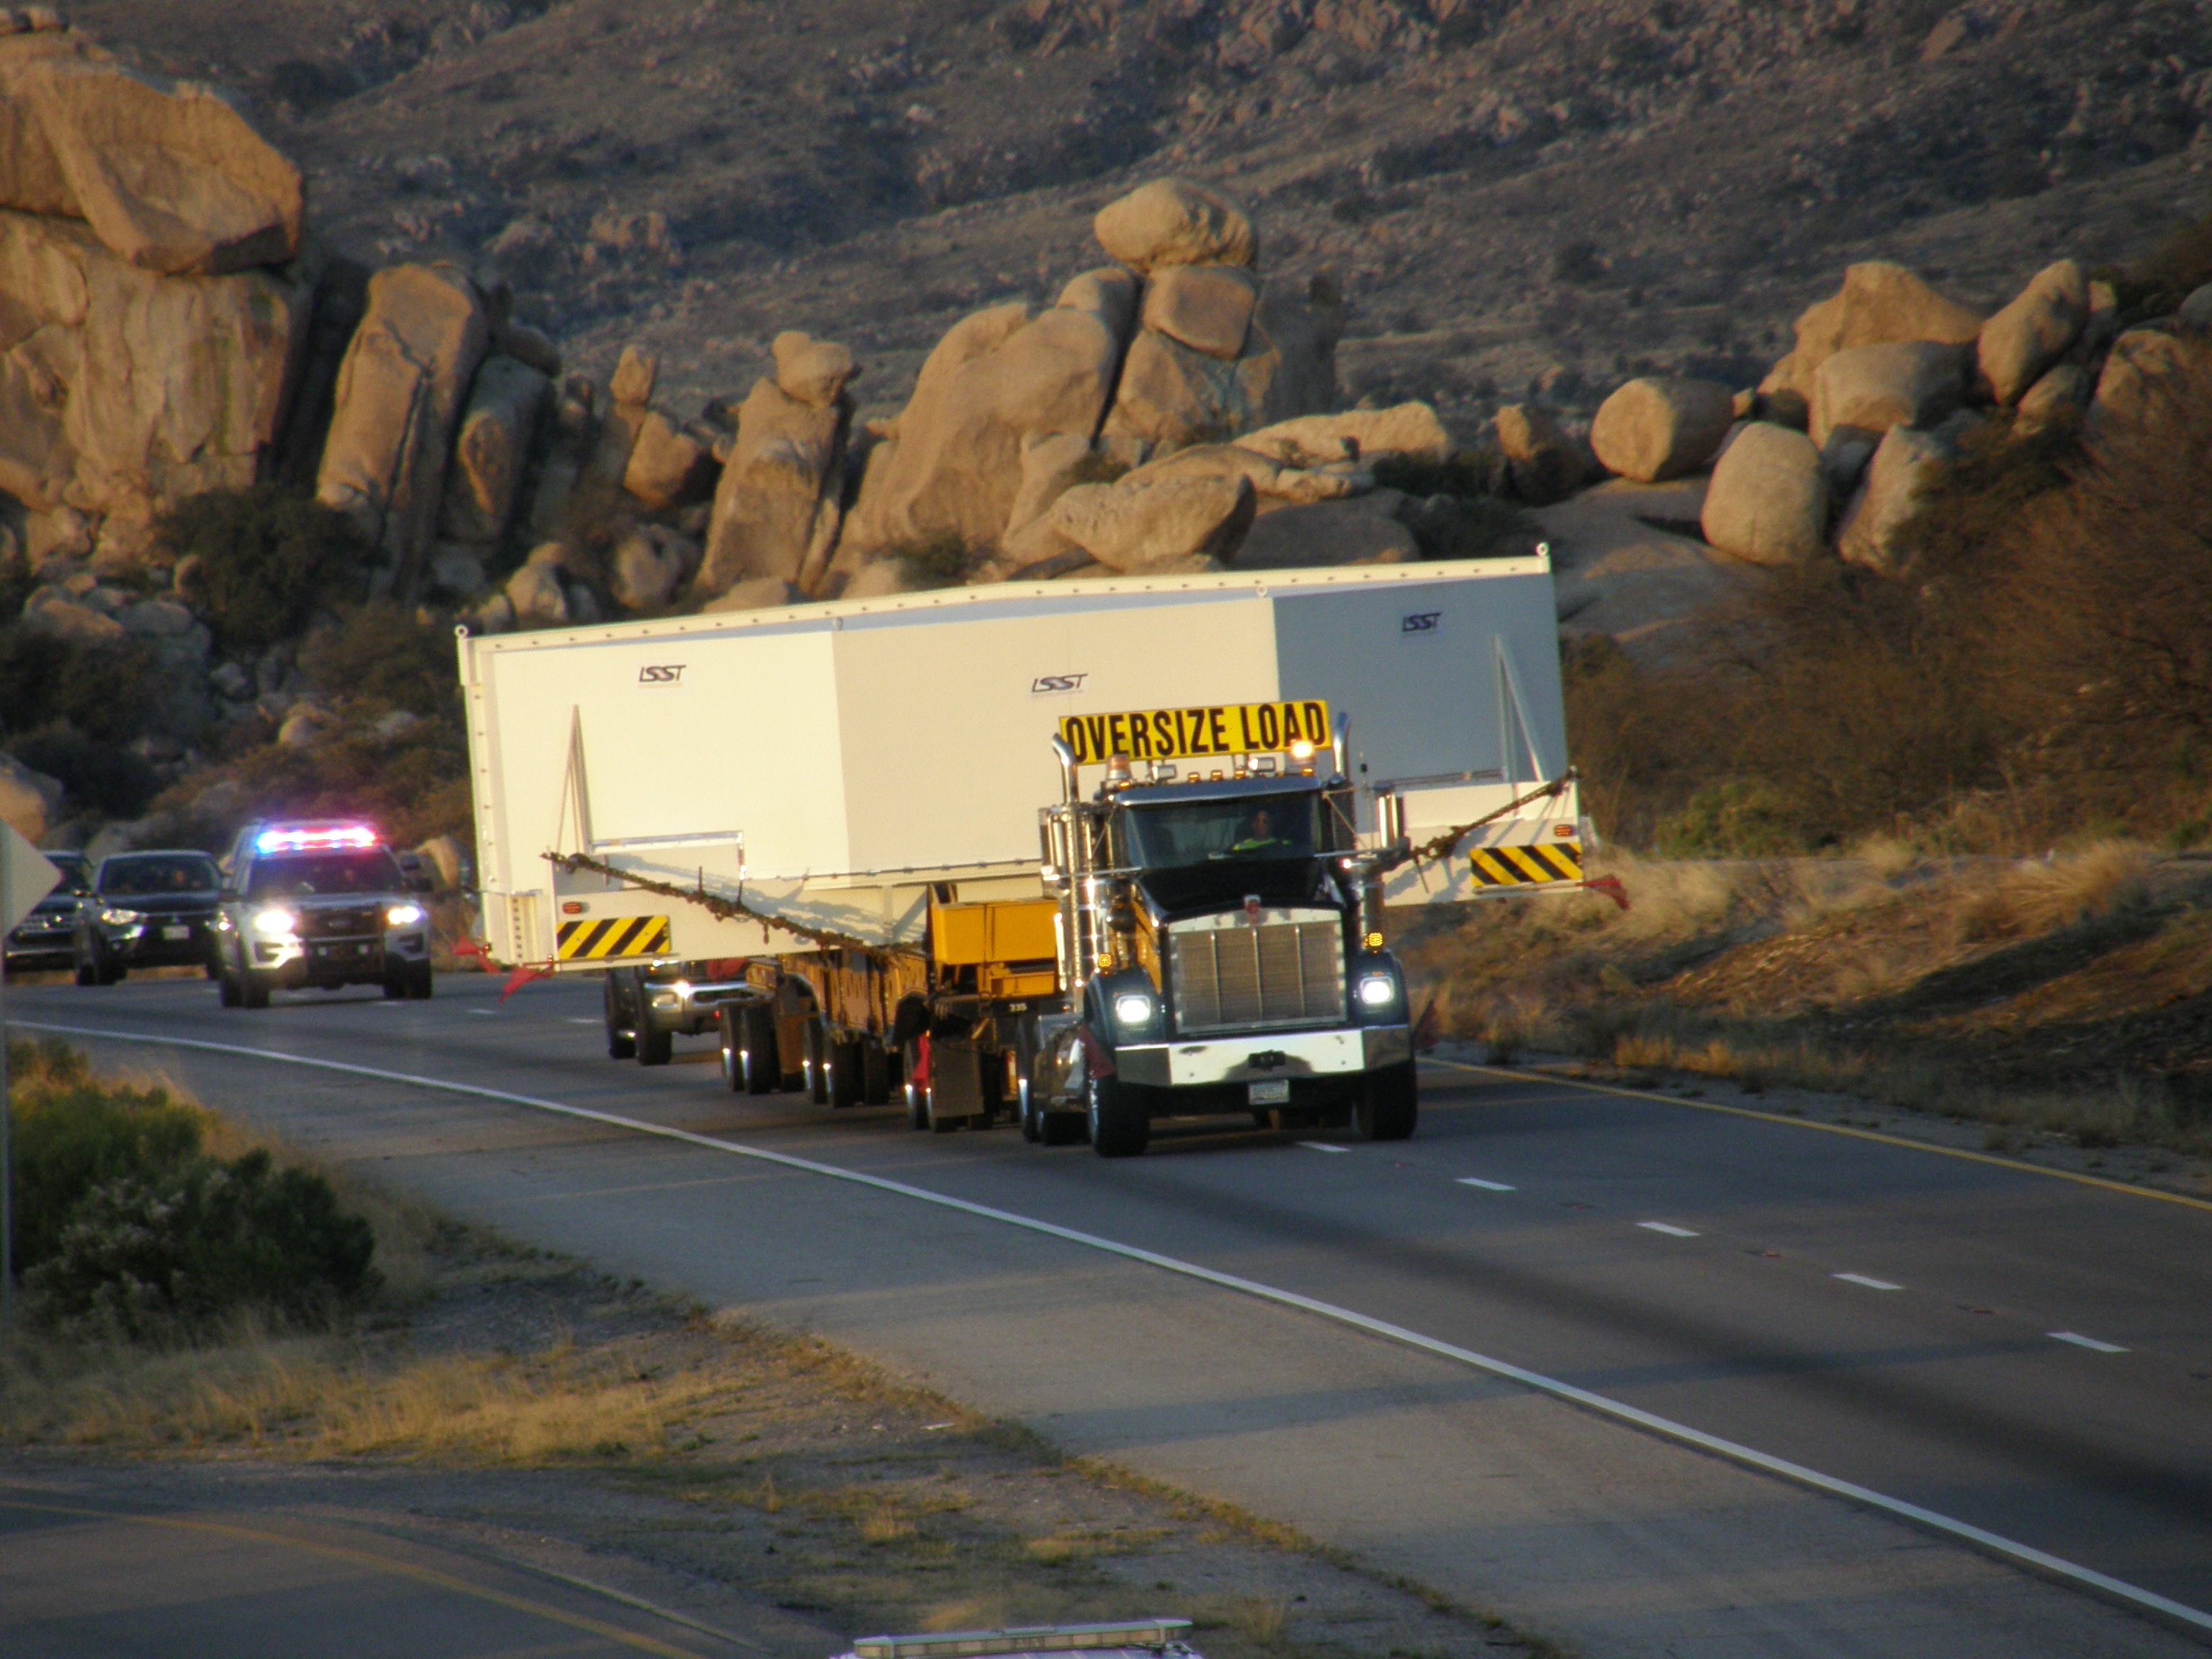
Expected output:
(1279, 973)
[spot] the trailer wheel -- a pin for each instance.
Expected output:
(1119, 1124)
(1026, 1110)
(875, 1072)
(762, 1071)
(731, 1054)
(620, 1045)
(1388, 1104)
(655, 1047)
(845, 1063)
(818, 1067)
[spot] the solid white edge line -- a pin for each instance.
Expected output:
(2028, 1555)
(1668, 1228)
(1486, 1186)
(2081, 1341)
(1870, 1283)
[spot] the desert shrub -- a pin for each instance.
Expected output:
(1469, 473)
(177, 1251)
(104, 775)
(381, 653)
(1733, 818)
(937, 561)
(1976, 499)
(1473, 528)
(268, 559)
(100, 690)
(71, 1133)
(412, 787)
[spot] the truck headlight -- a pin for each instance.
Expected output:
(119, 918)
(403, 915)
(1377, 991)
(1133, 1008)
(275, 921)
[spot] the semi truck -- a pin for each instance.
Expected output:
(1086, 854)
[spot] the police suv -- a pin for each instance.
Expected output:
(321, 904)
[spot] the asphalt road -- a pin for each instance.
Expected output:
(2008, 1351)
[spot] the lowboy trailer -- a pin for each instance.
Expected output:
(1087, 853)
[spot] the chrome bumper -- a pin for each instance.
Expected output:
(1264, 1056)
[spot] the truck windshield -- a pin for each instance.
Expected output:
(1212, 831)
(304, 875)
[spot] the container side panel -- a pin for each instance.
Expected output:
(948, 719)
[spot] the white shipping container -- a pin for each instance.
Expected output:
(827, 763)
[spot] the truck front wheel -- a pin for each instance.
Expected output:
(656, 1046)
(1119, 1124)
(1388, 1104)
(620, 1045)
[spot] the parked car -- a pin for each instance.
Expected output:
(154, 909)
(47, 936)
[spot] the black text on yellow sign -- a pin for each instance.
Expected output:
(1232, 728)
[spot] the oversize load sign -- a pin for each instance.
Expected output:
(1233, 728)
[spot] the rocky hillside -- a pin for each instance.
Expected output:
(1549, 195)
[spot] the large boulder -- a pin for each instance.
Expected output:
(1895, 481)
(813, 371)
(497, 428)
(1617, 573)
(1655, 429)
(1768, 500)
(1275, 485)
(1878, 304)
(1147, 524)
(1875, 387)
(1170, 394)
(648, 566)
(1352, 434)
(170, 175)
(30, 801)
(2063, 393)
(1206, 307)
(124, 390)
(2147, 376)
(400, 395)
(775, 508)
(951, 464)
(1542, 463)
(2023, 340)
(669, 466)
(1363, 530)
(54, 610)
(1172, 221)
(1109, 294)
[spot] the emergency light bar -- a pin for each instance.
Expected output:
(330, 840)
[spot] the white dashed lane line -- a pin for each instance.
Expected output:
(1322, 1147)
(486, 1012)
(2088, 1342)
(575, 1019)
(1871, 1283)
(1486, 1186)
(1668, 1228)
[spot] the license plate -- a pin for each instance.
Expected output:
(176, 932)
(1274, 1092)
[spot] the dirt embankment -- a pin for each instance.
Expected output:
(2071, 998)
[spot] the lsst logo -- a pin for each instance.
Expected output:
(1046, 685)
(661, 674)
(1421, 621)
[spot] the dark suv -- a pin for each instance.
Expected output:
(319, 904)
(47, 936)
(146, 910)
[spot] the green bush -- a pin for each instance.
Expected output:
(1466, 473)
(1737, 818)
(99, 690)
(125, 1227)
(382, 654)
(940, 561)
(268, 559)
(105, 776)
(173, 1254)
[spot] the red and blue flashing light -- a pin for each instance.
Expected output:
(333, 838)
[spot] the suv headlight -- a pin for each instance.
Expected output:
(1133, 1008)
(1377, 991)
(403, 915)
(119, 918)
(276, 922)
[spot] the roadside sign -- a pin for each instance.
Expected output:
(26, 876)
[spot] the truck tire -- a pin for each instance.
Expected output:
(1027, 1111)
(755, 1026)
(917, 1094)
(1119, 1123)
(422, 982)
(1388, 1104)
(252, 992)
(875, 1074)
(620, 1045)
(225, 983)
(655, 1047)
(395, 988)
(818, 1067)
(845, 1063)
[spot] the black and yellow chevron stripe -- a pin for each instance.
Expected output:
(1520, 867)
(619, 936)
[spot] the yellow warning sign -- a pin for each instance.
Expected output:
(618, 936)
(1233, 728)
(1520, 867)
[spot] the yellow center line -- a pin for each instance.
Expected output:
(374, 1563)
(1826, 1128)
